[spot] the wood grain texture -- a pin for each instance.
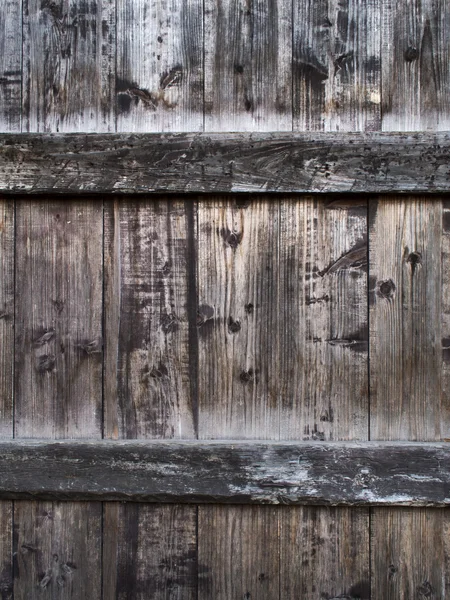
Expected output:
(58, 358)
(415, 54)
(248, 57)
(159, 84)
(336, 66)
(278, 162)
(324, 553)
(57, 550)
(7, 227)
(150, 301)
(69, 64)
(238, 553)
(410, 554)
(157, 555)
(406, 340)
(254, 472)
(10, 65)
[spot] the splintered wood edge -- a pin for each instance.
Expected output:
(225, 163)
(253, 472)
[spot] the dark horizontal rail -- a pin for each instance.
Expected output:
(338, 473)
(202, 163)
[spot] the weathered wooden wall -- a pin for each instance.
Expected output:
(224, 317)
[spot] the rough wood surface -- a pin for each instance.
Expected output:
(255, 472)
(336, 66)
(324, 553)
(281, 162)
(159, 85)
(10, 65)
(238, 553)
(58, 346)
(248, 60)
(57, 550)
(69, 63)
(7, 229)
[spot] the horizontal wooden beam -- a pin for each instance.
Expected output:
(202, 163)
(339, 473)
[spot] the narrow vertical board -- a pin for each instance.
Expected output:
(445, 321)
(238, 552)
(157, 554)
(69, 64)
(405, 320)
(237, 318)
(58, 371)
(322, 329)
(57, 550)
(248, 54)
(6, 380)
(410, 554)
(10, 65)
(415, 65)
(6, 317)
(149, 302)
(336, 66)
(324, 553)
(159, 83)
(149, 551)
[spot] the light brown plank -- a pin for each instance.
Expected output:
(58, 384)
(57, 550)
(159, 65)
(409, 317)
(150, 383)
(336, 65)
(10, 65)
(69, 65)
(321, 552)
(415, 55)
(248, 54)
(238, 553)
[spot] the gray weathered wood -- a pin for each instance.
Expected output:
(324, 553)
(159, 84)
(7, 229)
(10, 65)
(415, 55)
(69, 65)
(336, 65)
(248, 60)
(57, 550)
(332, 473)
(279, 162)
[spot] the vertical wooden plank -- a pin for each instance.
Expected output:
(58, 375)
(405, 319)
(248, 54)
(69, 65)
(239, 553)
(321, 553)
(408, 368)
(415, 65)
(6, 380)
(237, 288)
(159, 65)
(150, 386)
(410, 553)
(336, 65)
(149, 300)
(10, 65)
(322, 363)
(57, 550)
(58, 384)
(157, 554)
